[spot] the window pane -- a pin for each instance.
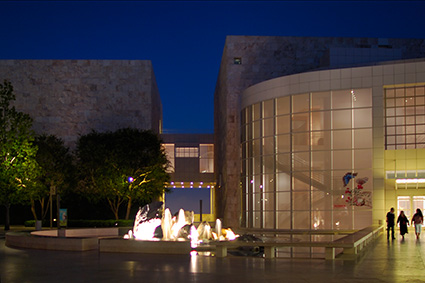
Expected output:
(399, 102)
(341, 99)
(321, 160)
(283, 143)
(362, 159)
(283, 201)
(282, 105)
(390, 139)
(301, 103)
(256, 144)
(341, 119)
(301, 181)
(410, 91)
(342, 159)
(300, 122)
(283, 220)
(301, 161)
(302, 220)
(362, 118)
(399, 92)
(390, 112)
(268, 108)
(363, 138)
(206, 165)
(283, 183)
(268, 164)
(268, 146)
(321, 120)
(249, 114)
(342, 139)
(390, 102)
(169, 152)
(390, 121)
(268, 127)
(256, 111)
(256, 129)
(390, 130)
(400, 121)
(321, 140)
(282, 125)
(389, 93)
(301, 200)
(420, 100)
(321, 101)
(300, 141)
(410, 101)
(363, 98)
(283, 164)
(206, 158)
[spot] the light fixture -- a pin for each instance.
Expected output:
(409, 181)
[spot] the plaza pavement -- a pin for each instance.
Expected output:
(382, 261)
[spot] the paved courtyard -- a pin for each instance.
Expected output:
(383, 261)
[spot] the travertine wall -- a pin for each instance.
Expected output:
(69, 98)
(268, 57)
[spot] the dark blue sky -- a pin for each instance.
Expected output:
(185, 39)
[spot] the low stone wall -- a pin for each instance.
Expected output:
(28, 241)
(102, 239)
(69, 233)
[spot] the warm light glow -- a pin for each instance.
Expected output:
(146, 230)
(172, 229)
(193, 236)
(409, 181)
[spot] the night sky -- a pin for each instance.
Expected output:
(185, 39)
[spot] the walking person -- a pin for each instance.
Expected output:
(390, 223)
(418, 219)
(403, 221)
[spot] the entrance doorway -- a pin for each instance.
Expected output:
(409, 204)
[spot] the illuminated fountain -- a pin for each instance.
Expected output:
(150, 225)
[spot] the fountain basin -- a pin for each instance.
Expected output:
(102, 239)
(28, 241)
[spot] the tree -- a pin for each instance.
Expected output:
(18, 167)
(126, 166)
(57, 169)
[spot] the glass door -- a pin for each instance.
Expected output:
(409, 204)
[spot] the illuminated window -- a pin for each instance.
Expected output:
(187, 152)
(169, 151)
(409, 204)
(237, 61)
(404, 117)
(206, 158)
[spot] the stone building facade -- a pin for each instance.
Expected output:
(249, 60)
(69, 98)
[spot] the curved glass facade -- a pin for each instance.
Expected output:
(296, 150)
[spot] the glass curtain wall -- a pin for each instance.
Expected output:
(405, 117)
(296, 150)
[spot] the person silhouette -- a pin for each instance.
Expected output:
(418, 219)
(390, 223)
(403, 221)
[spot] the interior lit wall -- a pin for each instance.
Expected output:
(301, 133)
(296, 149)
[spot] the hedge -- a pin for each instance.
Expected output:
(87, 223)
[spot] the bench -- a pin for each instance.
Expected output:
(351, 244)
